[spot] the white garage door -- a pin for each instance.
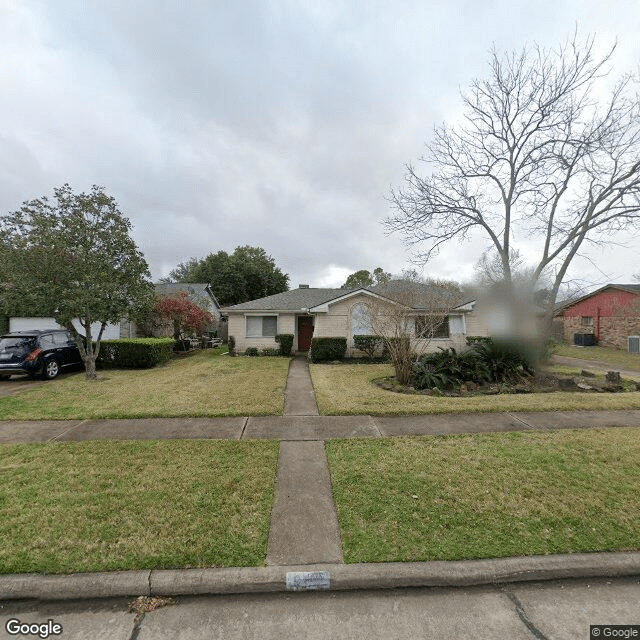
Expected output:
(111, 331)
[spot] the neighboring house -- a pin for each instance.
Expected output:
(198, 293)
(307, 312)
(611, 314)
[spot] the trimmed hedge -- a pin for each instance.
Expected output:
(231, 343)
(285, 340)
(327, 349)
(368, 344)
(134, 353)
(251, 351)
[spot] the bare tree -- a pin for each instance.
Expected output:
(539, 155)
(407, 317)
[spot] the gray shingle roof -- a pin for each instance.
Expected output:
(422, 296)
(293, 300)
(197, 292)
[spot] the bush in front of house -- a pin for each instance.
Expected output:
(446, 368)
(251, 351)
(285, 340)
(231, 343)
(270, 351)
(368, 344)
(134, 353)
(323, 349)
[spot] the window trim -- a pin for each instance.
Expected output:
(434, 336)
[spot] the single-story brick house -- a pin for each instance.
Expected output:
(611, 313)
(309, 312)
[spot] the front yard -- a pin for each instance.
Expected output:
(486, 496)
(347, 389)
(202, 385)
(99, 506)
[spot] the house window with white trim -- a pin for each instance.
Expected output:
(429, 327)
(262, 326)
(360, 321)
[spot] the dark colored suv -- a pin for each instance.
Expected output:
(44, 353)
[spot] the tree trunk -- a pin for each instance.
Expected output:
(90, 368)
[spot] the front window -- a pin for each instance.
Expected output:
(262, 326)
(429, 327)
(360, 321)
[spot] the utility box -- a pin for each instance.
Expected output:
(584, 339)
(634, 344)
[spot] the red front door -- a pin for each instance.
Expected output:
(305, 332)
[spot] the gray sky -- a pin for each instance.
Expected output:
(279, 124)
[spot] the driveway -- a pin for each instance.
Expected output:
(19, 383)
(596, 366)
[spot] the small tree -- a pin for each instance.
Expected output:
(72, 258)
(408, 317)
(185, 315)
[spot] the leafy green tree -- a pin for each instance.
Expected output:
(247, 274)
(364, 278)
(72, 257)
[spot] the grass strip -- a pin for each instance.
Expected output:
(605, 355)
(201, 385)
(347, 390)
(100, 506)
(486, 496)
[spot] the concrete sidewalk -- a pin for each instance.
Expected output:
(296, 428)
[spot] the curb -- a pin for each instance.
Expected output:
(334, 577)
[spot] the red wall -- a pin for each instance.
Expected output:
(612, 302)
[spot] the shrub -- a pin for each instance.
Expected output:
(506, 361)
(368, 344)
(231, 343)
(447, 368)
(134, 353)
(285, 340)
(251, 351)
(471, 340)
(323, 349)
(4, 324)
(267, 351)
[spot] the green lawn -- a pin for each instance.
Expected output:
(484, 496)
(616, 357)
(347, 390)
(204, 384)
(98, 506)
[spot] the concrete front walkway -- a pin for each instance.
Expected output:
(299, 396)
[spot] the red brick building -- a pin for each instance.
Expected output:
(611, 313)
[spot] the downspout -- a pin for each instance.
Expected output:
(598, 325)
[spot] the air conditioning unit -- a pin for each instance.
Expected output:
(634, 344)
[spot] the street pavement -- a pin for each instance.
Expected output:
(550, 610)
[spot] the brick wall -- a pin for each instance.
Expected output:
(613, 331)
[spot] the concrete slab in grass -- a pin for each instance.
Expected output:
(152, 429)
(566, 609)
(580, 419)
(304, 523)
(310, 427)
(443, 424)
(40, 431)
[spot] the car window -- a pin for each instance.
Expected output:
(17, 342)
(61, 338)
(46, 341)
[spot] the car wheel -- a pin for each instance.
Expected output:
(51, 369)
